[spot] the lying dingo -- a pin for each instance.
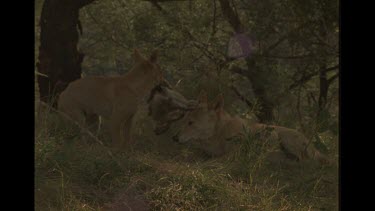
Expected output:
(115, 98)
(210, 127)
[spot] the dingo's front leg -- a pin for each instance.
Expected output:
(115, 128)
(127, 139)
(120, 129)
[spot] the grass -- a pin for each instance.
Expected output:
(72, 174)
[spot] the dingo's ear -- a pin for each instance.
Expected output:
(202, 98)
(154, 56)
(218, 105)
(137, 56)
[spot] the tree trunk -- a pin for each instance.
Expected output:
(323, 90)
(323, 83)
(254, 75)
(59, 58)
(259, 82)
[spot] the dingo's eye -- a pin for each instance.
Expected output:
(190, 122)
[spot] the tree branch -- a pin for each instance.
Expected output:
(156, 4)
(107, 34)
(238, 70)
(330, 80)
(306, 78)
(214, 20)
(164, 0)
(284, 57)
(331, 68)
(283, 38)
(232, 18)
(237, 26)
(241, 97)
(82, 3)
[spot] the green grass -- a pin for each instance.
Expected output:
(72, 174)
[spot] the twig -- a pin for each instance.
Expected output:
(239, 70)
(306, 78)
(242, 98)
(214, 20)
(299, 110)
(75, 122)
(110, 37)
(108, 150)
(330, 80)
(284, 57)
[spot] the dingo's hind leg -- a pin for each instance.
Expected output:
(75, 117)
(70, 111)
(92, 122)
(115, 129)
(78, 117)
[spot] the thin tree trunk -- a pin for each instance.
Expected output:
(323, 83)
(259, 83)
(59, 57)
(323, 91)
(253, 73)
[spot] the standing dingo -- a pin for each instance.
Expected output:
(115, 98)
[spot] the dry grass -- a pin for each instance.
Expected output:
(72, 174)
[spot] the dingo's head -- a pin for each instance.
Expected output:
(201, 123)
(148, 66)
(167, 106)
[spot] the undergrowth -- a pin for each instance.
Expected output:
(73, 174)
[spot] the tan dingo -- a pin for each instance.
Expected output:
(210, 127)
(115, 98)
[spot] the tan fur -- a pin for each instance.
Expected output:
(115, 98)
(210, 127)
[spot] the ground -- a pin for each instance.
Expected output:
(76, 174)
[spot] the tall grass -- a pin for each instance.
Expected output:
(72, 174)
